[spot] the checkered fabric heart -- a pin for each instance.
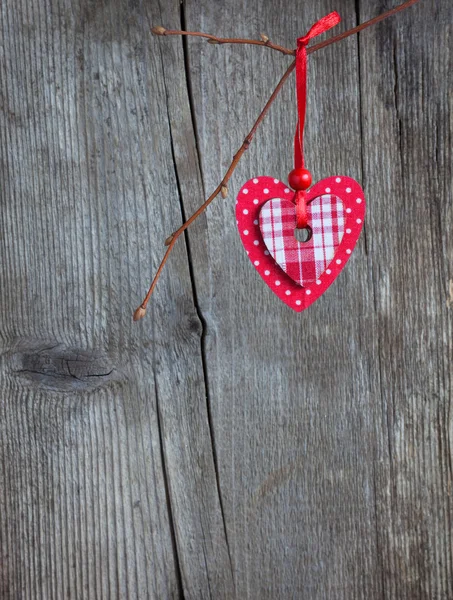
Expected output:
(303, 262)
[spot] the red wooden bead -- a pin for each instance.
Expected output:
(299, 179)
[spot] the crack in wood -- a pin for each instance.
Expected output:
(192, 278)
(396, 93)
(171, 518)
(201, 319)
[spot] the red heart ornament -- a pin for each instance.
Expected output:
(299, 272)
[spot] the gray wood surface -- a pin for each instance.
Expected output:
(223, 447)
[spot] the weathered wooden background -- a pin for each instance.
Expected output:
(224, 447)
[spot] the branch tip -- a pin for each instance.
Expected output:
(159, 30)
(224, 191)
(139, 313)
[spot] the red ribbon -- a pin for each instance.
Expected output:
(321, 26)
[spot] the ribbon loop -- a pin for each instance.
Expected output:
(319, 27)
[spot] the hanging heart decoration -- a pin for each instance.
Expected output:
(271, 216)
(299, 272)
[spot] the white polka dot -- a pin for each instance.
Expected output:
(338, 261)
(348, 210)
(255, 201)
(255, 180)
(288, 293)
(286, 190)
(237, 222)
(266, 191)
(256, 263)
(348, 251)
(359, 221)
(275, 180)
(359, 200)
(277, 282)
(245, 191)
(328, 271)
(255, 222)
(246, 232)
(237, 201)
(327, 190)
(247, 252)
(348, 231)
(256, 242)
(338, 179)
(245, 211)
(267, 272)
(318, 282)
(348, 190)
(266, 252)
(298, 302)
(308, 292)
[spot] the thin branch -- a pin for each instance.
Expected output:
(374, 21)
(222, 188)
(213, 39)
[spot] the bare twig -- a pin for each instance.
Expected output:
(222, 188)
(213, 39)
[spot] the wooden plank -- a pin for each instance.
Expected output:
(406, 87)
(292, 395)
(105, 451)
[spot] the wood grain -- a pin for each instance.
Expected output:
(107, 464)
(223, 447)
(301, 408)
(291, 398)
(409, 115)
